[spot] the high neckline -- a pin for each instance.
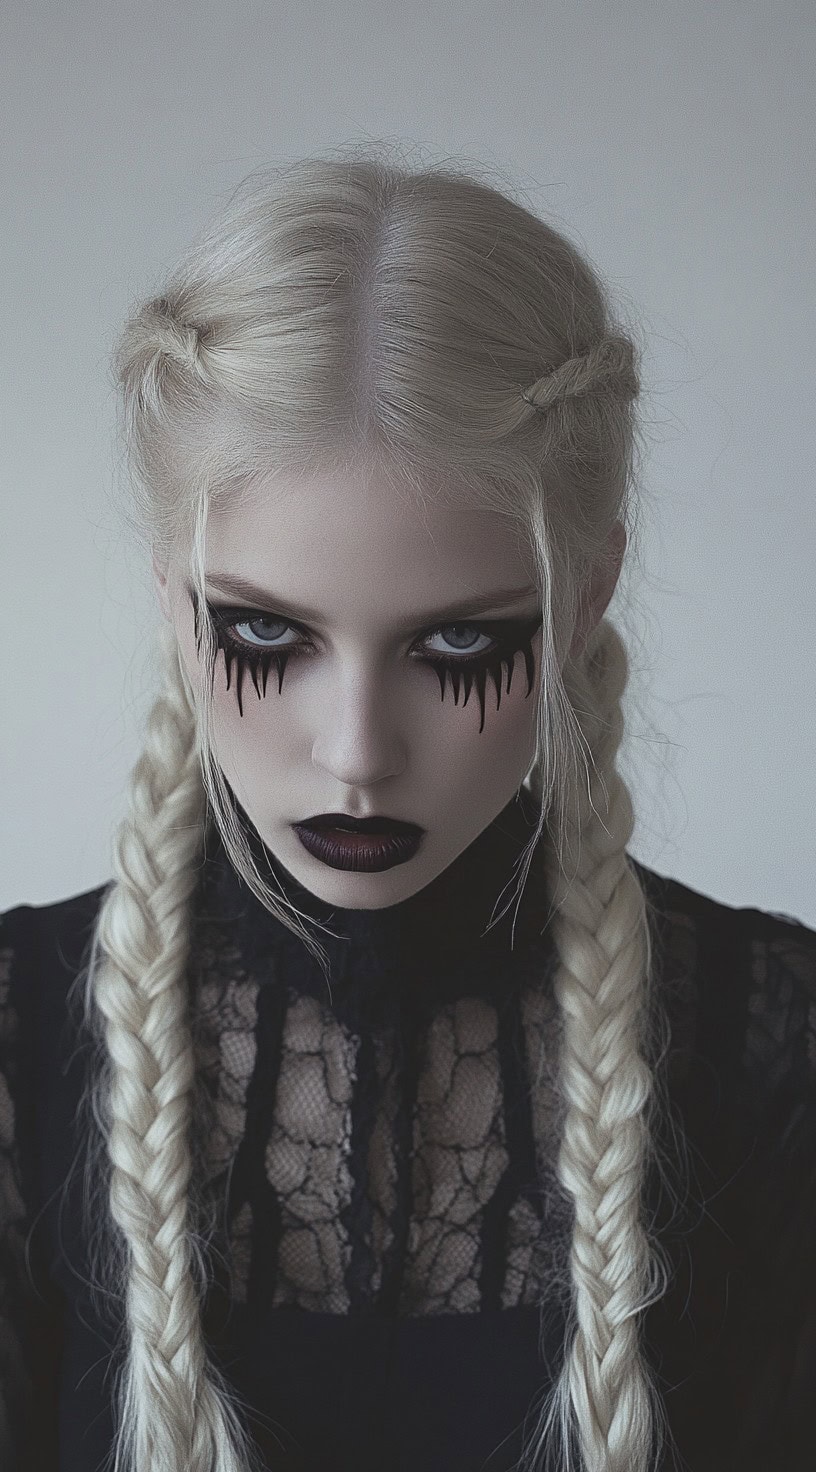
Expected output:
(434, 943)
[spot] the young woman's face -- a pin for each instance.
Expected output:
(354, 581)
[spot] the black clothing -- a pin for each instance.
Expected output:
(382, 1163)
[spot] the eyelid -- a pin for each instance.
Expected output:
(244, 613)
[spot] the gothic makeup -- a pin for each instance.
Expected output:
(302, 574)
(258, 652)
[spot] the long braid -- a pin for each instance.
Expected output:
(599, 927)
(172, 1415)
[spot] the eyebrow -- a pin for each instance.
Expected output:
(239, 587)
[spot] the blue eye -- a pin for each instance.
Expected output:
(261, 618)
(258, 654)
(225, 621)
(467, 647)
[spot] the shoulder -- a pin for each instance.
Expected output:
(737, 1326)
(740, 984)
(725, 933)
(729, 935)
(55, 933)
(672, 897)
(43, 948)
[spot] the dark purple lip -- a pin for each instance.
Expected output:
(375, 825)
(364, 852)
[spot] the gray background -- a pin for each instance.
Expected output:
(675, 144)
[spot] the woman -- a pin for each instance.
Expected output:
(409, 1121)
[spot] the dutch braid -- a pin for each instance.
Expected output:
(170, 1411)
(600, 930)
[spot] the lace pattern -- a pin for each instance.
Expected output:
(392, 1167)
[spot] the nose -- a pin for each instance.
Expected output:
(359, 742)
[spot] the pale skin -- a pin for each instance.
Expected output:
(359, 726)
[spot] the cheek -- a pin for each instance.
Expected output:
(505, 730)
(508, 738)
(243, 744)
(267, 736)
(440, 730)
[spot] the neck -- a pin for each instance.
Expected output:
(438, 936)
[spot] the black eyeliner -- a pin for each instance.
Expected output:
(512, 635)
(519, 639)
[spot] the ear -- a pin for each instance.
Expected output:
(598, 595)
(160, 580)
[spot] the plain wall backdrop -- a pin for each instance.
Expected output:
(673, 143)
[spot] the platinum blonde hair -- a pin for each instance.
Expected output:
(351, 311)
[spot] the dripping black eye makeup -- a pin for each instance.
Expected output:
(492, 653)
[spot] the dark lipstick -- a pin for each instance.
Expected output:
(366, 845)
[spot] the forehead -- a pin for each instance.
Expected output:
(358, 539)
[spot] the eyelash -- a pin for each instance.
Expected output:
(509, 637)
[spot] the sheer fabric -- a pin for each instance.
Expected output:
(377, 1159)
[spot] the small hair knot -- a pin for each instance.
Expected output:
(181, 342)
(607, 367)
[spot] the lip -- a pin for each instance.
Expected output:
(360, 852)
(377, 824)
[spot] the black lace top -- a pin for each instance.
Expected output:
(380, 1155)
